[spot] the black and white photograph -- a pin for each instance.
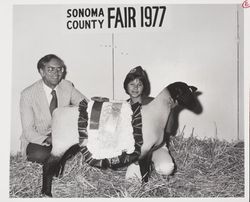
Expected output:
(128, 100)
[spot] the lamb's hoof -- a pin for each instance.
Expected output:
(59, 175)
(144, 179)
(45, 193)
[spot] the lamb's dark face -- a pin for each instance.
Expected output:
(183, 94)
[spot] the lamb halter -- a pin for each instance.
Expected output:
(118, 161)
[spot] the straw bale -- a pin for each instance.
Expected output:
(204, 168)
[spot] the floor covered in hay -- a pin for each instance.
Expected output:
(205, 168)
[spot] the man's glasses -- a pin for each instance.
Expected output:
(55, 69)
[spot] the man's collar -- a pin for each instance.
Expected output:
(47, 88)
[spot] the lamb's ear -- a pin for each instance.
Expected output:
(193, 88)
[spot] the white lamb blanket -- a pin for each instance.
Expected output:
(115, 133)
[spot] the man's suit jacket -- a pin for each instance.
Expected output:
(35, 113)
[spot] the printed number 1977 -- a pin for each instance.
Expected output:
(152, 16)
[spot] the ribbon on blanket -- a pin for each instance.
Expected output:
(118, 161)
(95, 115)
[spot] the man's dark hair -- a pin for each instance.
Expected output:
(41, 63)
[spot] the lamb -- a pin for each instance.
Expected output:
(148, 132)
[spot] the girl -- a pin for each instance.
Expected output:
(137, 86)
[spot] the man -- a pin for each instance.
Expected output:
(37, 103)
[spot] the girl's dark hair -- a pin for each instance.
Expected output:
(138, 73)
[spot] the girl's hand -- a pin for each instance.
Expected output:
(172, 103)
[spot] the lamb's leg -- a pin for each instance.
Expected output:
(72, 151)
(49, 170)
(145, 168)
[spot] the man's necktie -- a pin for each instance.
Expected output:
(53, 102)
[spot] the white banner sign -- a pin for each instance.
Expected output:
(113, 18)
